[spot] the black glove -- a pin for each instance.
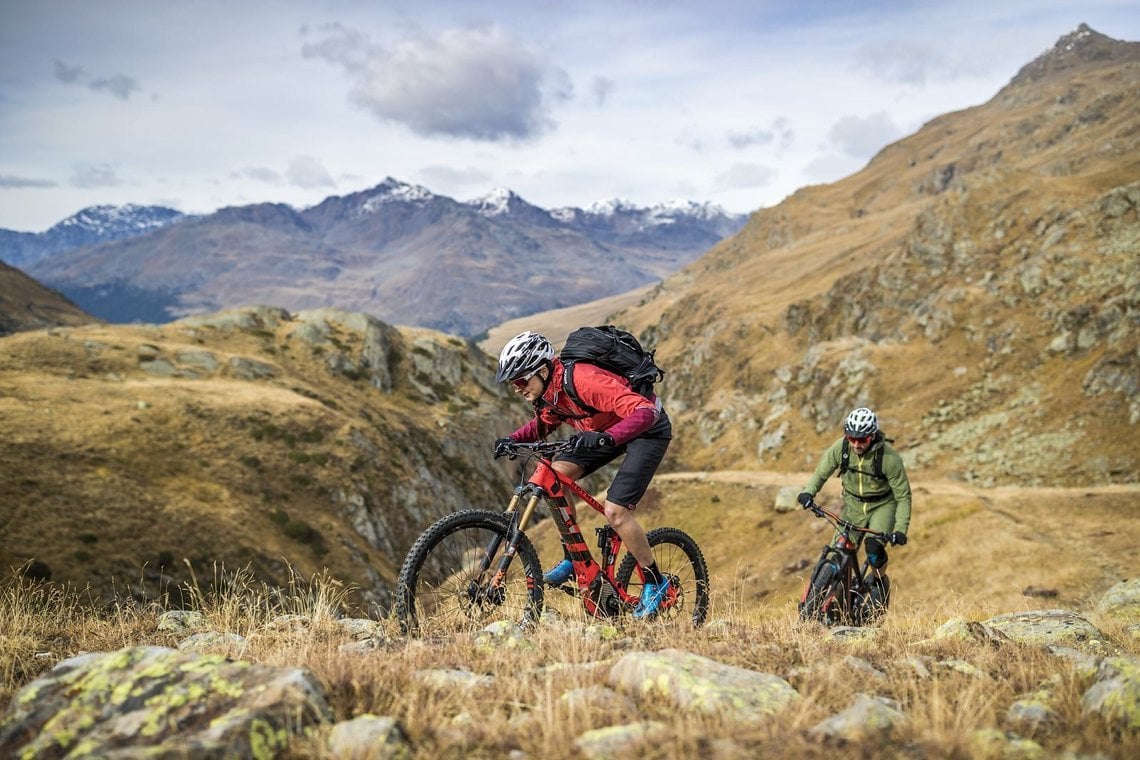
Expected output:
(592, 439)
(804, 499)
(898, 538)
(503, 447)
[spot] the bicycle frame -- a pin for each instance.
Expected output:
(597, 582)
(853, 590)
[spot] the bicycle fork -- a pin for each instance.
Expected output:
(493, 591)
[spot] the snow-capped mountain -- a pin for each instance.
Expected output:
(495, 203)
(394, 191)
(89, 226)
(396, 250)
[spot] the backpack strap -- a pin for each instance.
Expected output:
(876, 460)
(568, 386)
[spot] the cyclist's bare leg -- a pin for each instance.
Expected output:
(620, 518)
(631, 532)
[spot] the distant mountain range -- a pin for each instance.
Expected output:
(93, 225)
(396, 251)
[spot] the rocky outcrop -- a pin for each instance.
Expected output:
(176, 704)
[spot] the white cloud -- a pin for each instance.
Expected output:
(478, 83)
(8, 180)
(601, 88)
(67, 73)
(779, 135)
(862, 137)
(119, 85)
(308, 172)
(258, 174)
(94, 175)
(745, 175)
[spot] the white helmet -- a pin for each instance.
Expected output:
(523, 354)
(861, 423)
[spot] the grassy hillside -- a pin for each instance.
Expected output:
(976, 283)
(138, 456)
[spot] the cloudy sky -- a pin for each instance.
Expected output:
(203, 104)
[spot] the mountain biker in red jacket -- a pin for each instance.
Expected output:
(625, 422)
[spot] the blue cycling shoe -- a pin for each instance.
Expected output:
(559, 574)
(652, 595)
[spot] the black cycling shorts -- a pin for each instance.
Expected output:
(643, 456)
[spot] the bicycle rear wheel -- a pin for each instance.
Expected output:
(680, 560)
(877, 600)
(447, 583)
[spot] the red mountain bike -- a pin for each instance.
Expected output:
(840, 592)
(477, 566)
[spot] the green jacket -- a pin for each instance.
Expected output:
(862, 491)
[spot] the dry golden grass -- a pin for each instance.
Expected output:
(522, 710)
(972, 554)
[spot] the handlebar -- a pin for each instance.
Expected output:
(845, 525)
(541, 449)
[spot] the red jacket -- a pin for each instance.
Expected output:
(622, 411)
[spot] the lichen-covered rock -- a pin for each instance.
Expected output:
(369, 737)
(447, 679)
(597, 698)
(160, 702)
(697, 684)
(867, 717)
(627, 740)
(1122, 602)
(991, 743)
(1116, 693)
(181, 621)
(1036, 711)
(1051, 627)
(967, 630)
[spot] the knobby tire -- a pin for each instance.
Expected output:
(822, 600)
(680, 559)
(439, 590)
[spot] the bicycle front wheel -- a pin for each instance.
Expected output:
(681, 561)
(449, 582)
(821, 600)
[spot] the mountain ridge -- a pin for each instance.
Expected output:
(397, 251)
(976, 283)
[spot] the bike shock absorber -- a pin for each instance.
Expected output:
(606, 544)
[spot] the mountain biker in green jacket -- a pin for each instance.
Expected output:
(876, 490)
(621, 421)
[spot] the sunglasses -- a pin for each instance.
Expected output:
(860, 439)
(521, 382)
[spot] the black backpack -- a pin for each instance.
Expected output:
(610, 348)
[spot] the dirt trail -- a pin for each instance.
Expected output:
(992, 542)
(932, 487)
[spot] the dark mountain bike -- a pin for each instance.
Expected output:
(840, 591)
(477, 566)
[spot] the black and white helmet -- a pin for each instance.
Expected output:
(861, 423)
(523, 354)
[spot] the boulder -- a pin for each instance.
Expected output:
(697, 684)
(160, 702)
